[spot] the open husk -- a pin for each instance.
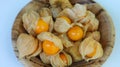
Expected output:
(51, 37)
(90, 47)
(76, 13)
(31, 18)
(49, 20)
(61, 25)
(68, 13)
(90, 21)
(56, 60)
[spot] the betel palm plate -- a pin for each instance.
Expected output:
(106, 29)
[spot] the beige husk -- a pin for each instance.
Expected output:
(90, 21)
(65, 40)
(44, 12)
(87, 46)
(46, 15)
(37, 52)
(45, 58)
(30, 20)
(68, 13)
(26, 45)
(76, 13)
(61, 25)
(74, 52)
(49, 20)
(95, 35)
(56, 61)
(51, 37)
(60, 3)
(55, 11)
(80, 11)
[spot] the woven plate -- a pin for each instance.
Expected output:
(106, 29)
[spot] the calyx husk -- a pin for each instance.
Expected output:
(51, 37)
(60, 3)
(56, 60)
(89, 45)
(74, 52)
(65, 40)
(27, 46)
(31, 18)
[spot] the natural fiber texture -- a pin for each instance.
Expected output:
(106, 29)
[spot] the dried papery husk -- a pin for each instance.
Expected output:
(76, 13)
(49, 20)
(79, 10)
(60, 3)
(74, 52)
(69, 58)
(68, 13)
(93, 25)
(95, 35)
(30, 25)
(65, 40)
(26, 45)
(85, 28)
(56, 60)
(61, 25)
(51, 37)
(45, 58)
(55, 11)
(87, 46)
(90, 20)
(78, 24)
(37, 52)
(65, 4)
(30, 19)
(54, 3)
(87, 18)
(45, 12)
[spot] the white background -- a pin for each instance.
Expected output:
(9, 10)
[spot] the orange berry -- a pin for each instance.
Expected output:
(64, 58)
(49, 47)
(42, 26)
(75, 33)
(66, 18)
